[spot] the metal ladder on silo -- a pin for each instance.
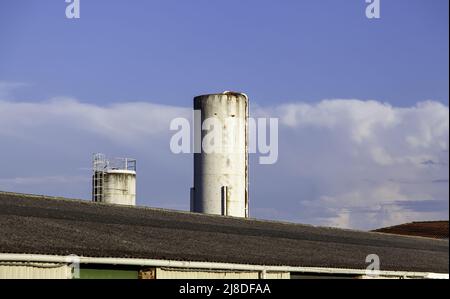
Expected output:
(97, 189)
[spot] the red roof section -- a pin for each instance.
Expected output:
(428, 229)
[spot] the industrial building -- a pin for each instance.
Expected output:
(47, 237)
(111, 237)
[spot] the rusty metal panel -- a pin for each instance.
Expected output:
(147, 273)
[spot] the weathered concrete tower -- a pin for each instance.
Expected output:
(114, 181)
(221, 156)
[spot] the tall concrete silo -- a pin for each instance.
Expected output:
(221, 174)
(114, 181)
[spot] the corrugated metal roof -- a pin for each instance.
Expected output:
(45, 225)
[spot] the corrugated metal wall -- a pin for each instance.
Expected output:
(34, 271)
(172, 273)
(63, 271)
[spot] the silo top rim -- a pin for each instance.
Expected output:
(124, 171)
(236, 93)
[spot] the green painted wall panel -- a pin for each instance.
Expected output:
(108, 274)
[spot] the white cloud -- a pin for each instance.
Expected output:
(360, 160)
(123, 122)
(39, 180)
(349, 163)
(359, 117)
(7, 87)
(390, 135)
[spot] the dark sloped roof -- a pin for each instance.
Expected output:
(44, 225)
(429, 229)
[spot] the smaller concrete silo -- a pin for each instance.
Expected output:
(114, 181)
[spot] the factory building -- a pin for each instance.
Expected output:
(47, 237)
(111, 237)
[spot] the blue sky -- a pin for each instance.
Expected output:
(169, 51)
(112, 80)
